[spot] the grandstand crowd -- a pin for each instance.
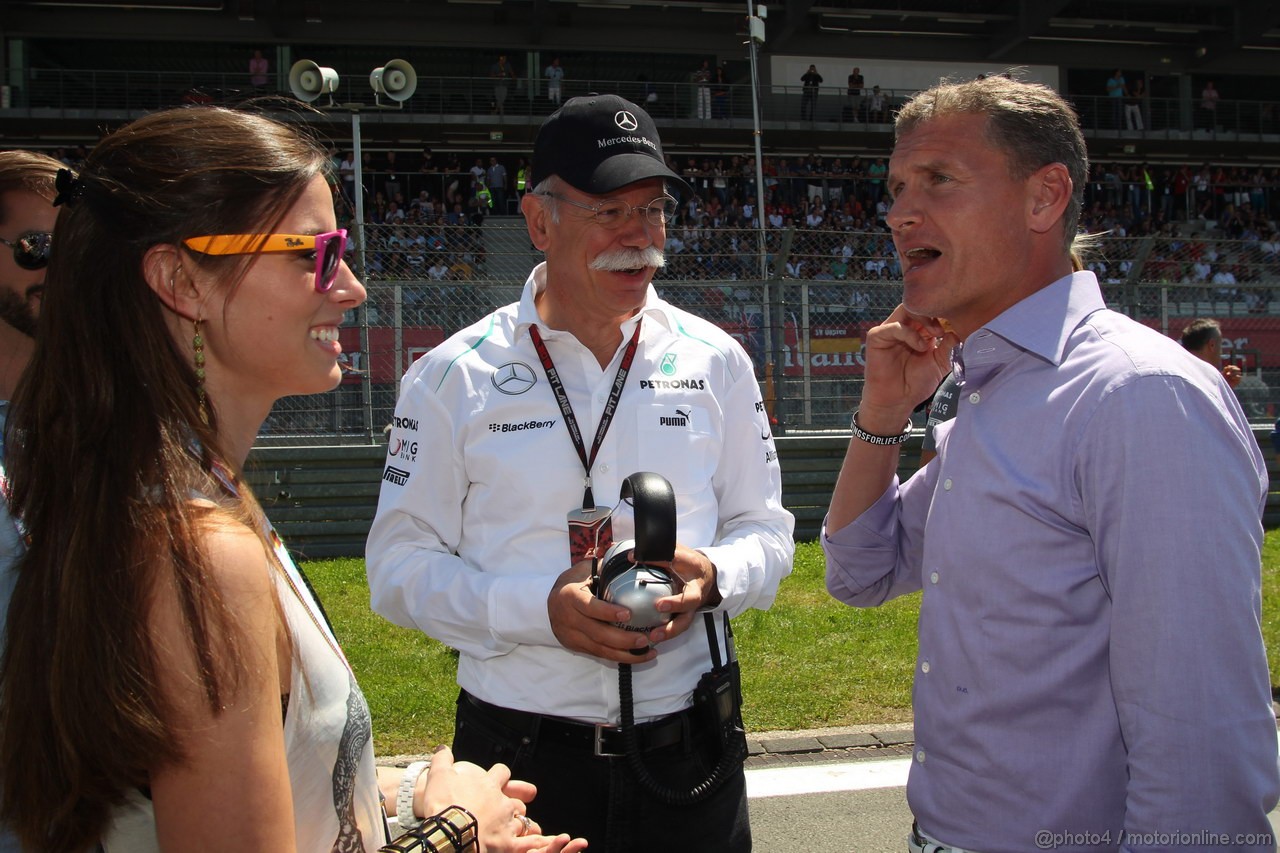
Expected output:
(427, 212)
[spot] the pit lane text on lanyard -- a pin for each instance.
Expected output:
(570, 422)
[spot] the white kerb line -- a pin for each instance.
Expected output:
(821, 778)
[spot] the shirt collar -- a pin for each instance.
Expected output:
(527, 312)
(1040, 324)
(1043, 322)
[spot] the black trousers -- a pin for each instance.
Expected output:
(598, 797)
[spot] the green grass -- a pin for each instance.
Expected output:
(407, 678)
(807, 662)
(1271, 602)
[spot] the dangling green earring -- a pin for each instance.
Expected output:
(197, 343)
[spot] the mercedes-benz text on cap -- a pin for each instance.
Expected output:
(599, 143)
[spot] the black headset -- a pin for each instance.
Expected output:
(636, 584)
(621, 578)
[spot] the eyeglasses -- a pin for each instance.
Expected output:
(31, 249)
(612, 213)
(329, 248)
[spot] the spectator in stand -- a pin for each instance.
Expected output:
(480, 204)
(1258, 191)
(522, 179)
(496, 178)
(347, 175)
(1209, 106)
(438, 271)
(555, 78)
(1225, 281)
(415, 253)
(1268, 246)
(810, 82)
(882, 211)
(1202, 338)
(877, 107)
(502, 74)
(720, 94)
(1202, 184)
(424, 204)
(1116, 92)
(1231, 223)
(854, 94)
(1181, 188)
(702, 89)
(392, 175)
(258, 68)
(1134, 103)
(876, 173)
(814, 218)
(648, 92)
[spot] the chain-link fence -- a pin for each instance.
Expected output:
(800, 301)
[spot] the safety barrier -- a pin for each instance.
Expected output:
(322, 499)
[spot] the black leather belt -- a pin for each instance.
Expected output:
(602, 740)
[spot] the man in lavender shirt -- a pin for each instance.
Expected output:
(1091, 673)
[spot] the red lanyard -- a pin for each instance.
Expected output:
(570, 422)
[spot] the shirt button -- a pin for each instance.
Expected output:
(975, 398)
(946, 484)
(920, 755)
(924, 667)
(933, 577)
(604, 467)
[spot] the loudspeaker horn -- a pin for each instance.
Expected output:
(397, 80)
(308, 81)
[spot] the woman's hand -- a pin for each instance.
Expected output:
(498, 802)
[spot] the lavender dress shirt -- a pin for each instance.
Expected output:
(1091, 672)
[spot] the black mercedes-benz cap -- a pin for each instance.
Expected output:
(598, 143)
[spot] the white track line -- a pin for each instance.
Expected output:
(820, 778)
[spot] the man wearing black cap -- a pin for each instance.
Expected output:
(531, 417)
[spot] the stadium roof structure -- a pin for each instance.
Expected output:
(1226, 36)
(1168, 41)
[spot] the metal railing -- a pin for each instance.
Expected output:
(803, 326)
(72, 92)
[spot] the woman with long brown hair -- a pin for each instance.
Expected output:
(169, 681)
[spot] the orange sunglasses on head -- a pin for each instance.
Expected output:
(329, 248)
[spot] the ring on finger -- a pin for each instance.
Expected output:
(525, 824)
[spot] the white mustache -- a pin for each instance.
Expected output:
(629, 259)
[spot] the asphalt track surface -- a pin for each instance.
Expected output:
(837, 790)
(834, 790)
